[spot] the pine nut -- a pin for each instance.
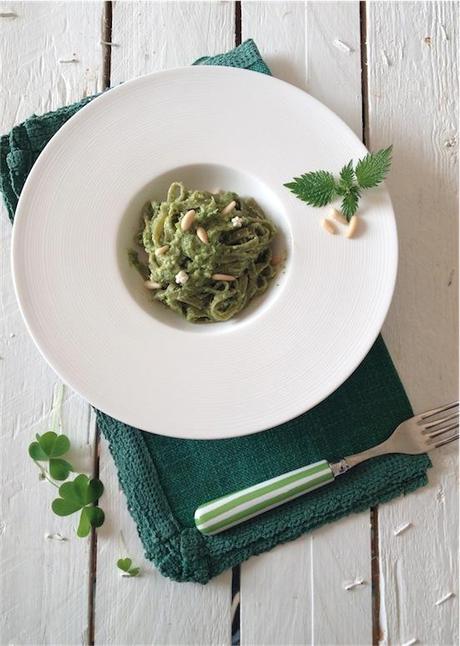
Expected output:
(162, 250)
(352, 226)
(203, 236)
(187, 220)
(151, 284)
(228, 208)
(225, 277)
(338, 216)
(328, 226)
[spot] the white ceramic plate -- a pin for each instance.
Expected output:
(87, 309)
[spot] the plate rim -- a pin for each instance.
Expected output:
(49, 149)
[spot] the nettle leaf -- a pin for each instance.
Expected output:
(59, 468)
(89, 517)
(124, 564)
(347, 175)
(319, 188)
(316, 188)
(373, 168)
(36, 452)
(53, 445)
(350, 202)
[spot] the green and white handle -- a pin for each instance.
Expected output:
(221, 514)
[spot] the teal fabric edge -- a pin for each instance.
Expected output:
(182, 553)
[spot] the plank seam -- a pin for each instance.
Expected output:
(238, 29)
(374, 512)
(93, 555)
(106, 43)
(364, 72)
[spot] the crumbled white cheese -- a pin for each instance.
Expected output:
(181, 277)
(237, 222)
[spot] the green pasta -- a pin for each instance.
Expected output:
(208, 254)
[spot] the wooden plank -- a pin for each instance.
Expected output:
(159, 35)
(294, 594)
(313, 45)
(152, 609)
(44, 597)
(413, 102)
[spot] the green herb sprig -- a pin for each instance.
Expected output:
(125, 565)
(79, 494)
(319, 188)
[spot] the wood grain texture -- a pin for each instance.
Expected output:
(151, 36)
(44, 583)
(291, 595)
(149, 609)
(296, 593)
(413, 102)
(152, 609)
(304, 43)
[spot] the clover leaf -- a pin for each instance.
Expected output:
(125, 566)
(81, 494)
(49, 447)
(89, 517)
(59, 468)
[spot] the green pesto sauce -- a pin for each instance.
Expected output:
(239, 245)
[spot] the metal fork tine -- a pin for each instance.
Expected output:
(442, 430)
(450, 439)
(438, 422)
(435, 411)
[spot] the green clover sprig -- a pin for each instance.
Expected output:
(125, 565)
(81, 495)
(49, 448)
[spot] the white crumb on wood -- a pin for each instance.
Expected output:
(402, 528)
(386, 59)
(235, 604)
(444, 32)
(342, 46)
(55, 537)
(410, 642)
(445, 598)
(109, 43)
(353, 584)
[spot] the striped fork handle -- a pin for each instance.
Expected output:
(216, 516)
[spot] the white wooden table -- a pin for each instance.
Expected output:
(389, 70)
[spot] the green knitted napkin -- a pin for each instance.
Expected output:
(165, 479)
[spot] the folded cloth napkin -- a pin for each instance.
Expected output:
(165, 479)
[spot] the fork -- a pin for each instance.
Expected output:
(418, 434)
